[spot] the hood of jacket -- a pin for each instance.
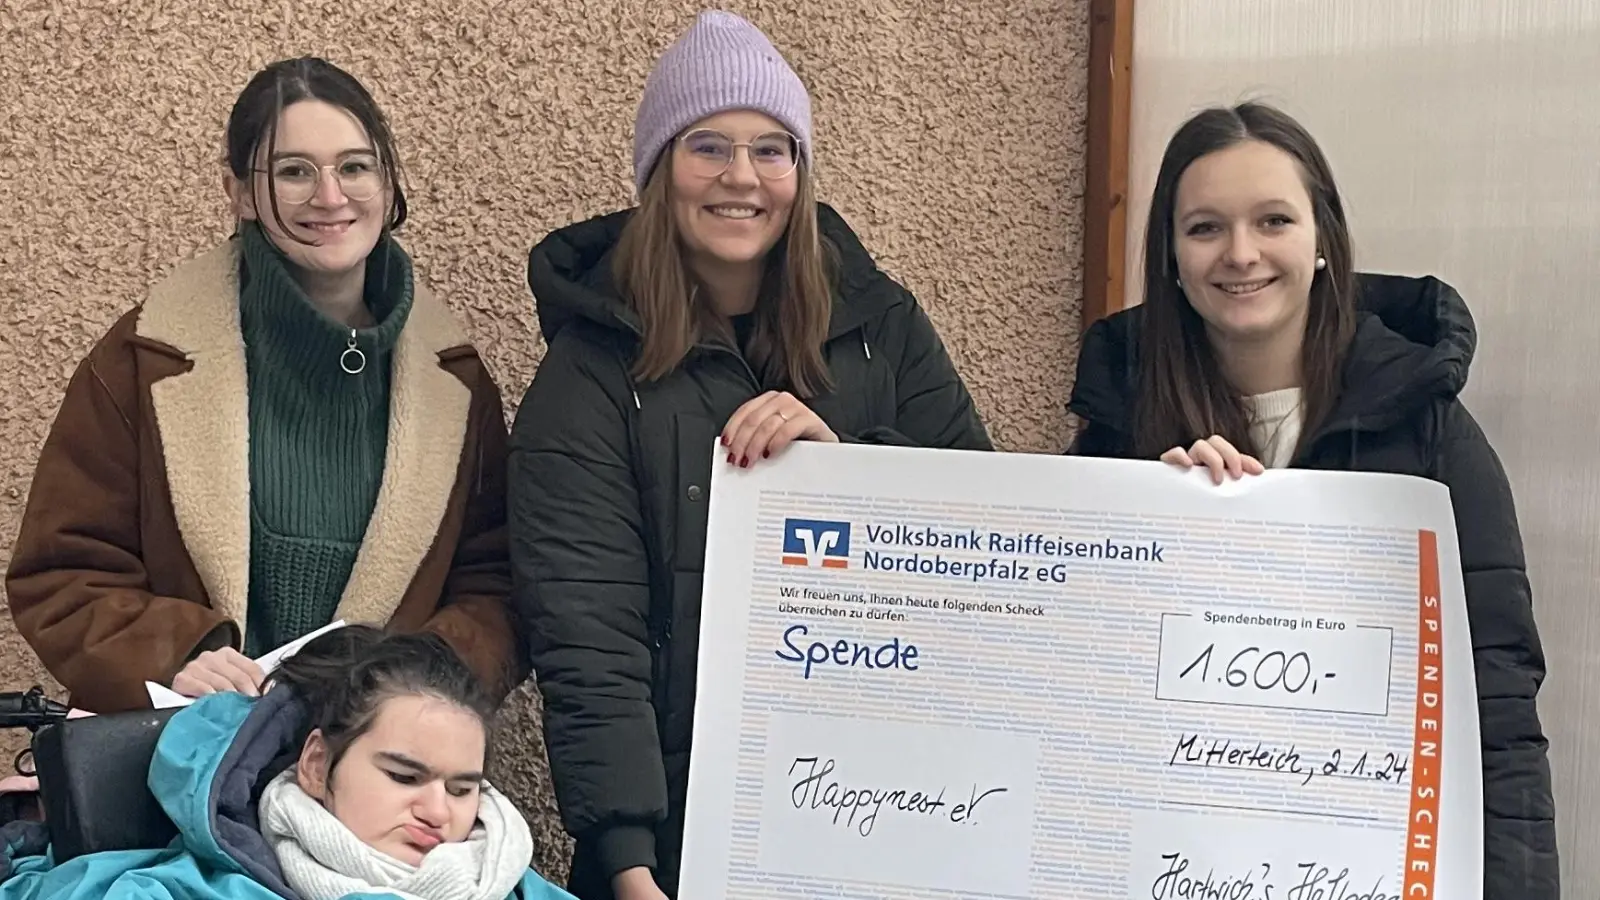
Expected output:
(1413, 346)
(570, 276)
(212, 761)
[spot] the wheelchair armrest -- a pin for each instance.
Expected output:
(93, 781)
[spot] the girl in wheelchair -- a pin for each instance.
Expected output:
(358, 772)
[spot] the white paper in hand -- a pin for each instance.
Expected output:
(166, 698)
(272, 658)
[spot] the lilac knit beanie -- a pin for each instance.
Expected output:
(721, 63)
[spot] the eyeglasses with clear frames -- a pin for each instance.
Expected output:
(709, 153)
(295, 179)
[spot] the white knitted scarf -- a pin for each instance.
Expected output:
(323, 860)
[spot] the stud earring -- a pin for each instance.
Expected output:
(1321, 263)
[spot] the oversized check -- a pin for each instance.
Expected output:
(930, 674)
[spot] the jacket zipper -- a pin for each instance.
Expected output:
(662, 619)
(744, 364)
(658, 621)
(663, 591)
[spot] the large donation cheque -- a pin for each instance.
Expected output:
(946, 674)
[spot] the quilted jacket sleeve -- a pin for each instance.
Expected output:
(580, 582)
(1519, 811)
(934, 408)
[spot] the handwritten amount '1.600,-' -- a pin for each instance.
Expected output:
(1273, 669)
(1203, 659)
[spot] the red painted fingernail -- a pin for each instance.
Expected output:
(724, 440)
(765, 454)
(744, 463)
(730, 459)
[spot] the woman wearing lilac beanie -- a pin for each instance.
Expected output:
(729, 302)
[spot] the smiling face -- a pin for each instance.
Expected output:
(321, 157)
(1245, 238)
(411, 782)
(736, 217)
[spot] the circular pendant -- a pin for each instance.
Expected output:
(352, 360)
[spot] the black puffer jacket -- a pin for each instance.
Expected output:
(1400, 412)
(608, 508)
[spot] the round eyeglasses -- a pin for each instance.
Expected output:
(708, 153)
(295, 179)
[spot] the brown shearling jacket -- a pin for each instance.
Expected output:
(134, 548)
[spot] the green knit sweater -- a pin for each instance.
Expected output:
(317, 436)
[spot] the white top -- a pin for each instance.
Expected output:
(1275, 425)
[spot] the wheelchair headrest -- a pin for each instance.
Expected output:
(93, 780)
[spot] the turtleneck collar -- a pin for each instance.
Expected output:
(278, 318)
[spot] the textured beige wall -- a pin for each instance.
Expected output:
(950, 134)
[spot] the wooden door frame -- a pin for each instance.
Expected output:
(1106, 168)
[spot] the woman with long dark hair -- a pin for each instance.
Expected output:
(1257, 346)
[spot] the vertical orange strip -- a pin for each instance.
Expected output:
(1422, 835)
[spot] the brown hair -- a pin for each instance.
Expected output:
(1183, 396)
(282, 84)
(344, 677)
(791, 314)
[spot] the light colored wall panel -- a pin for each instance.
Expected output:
(1466, 138)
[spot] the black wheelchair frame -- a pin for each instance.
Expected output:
(93, 774)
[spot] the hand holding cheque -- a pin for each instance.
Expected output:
(1027, 676)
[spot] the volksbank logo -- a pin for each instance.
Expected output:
(816, 543)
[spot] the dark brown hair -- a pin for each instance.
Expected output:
(345, 676)
(254, 121)
(1183, 396)
(792, 311)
